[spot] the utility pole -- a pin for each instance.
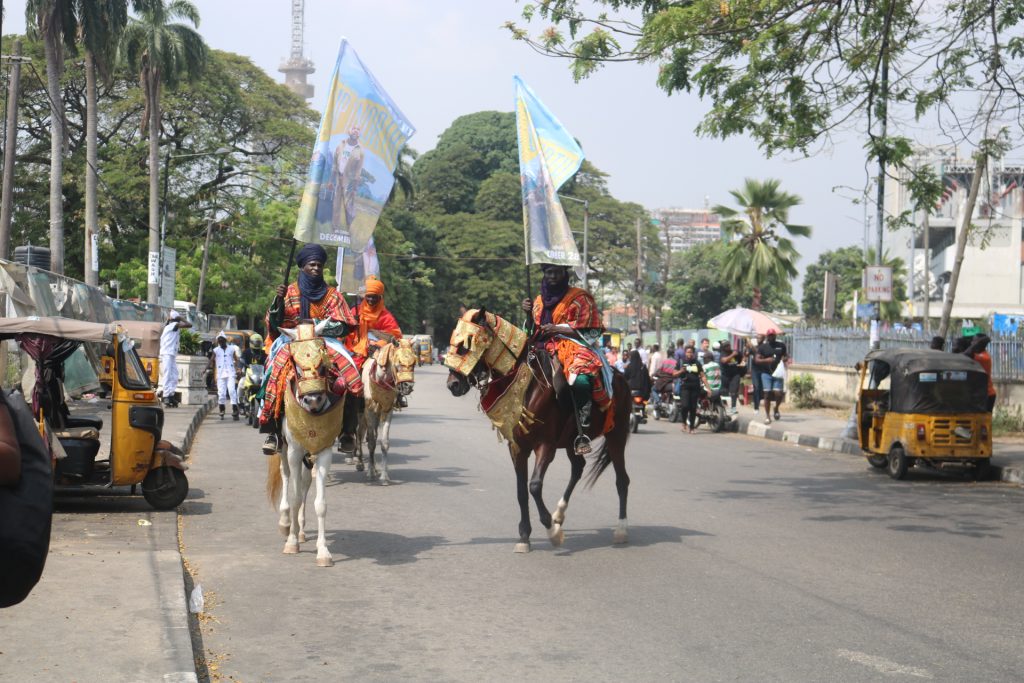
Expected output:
(639, 284)
(883, 114)
(10, 147)
(206, 260)
(927, 274)
(586, 237)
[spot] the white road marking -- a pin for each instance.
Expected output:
(883, 665)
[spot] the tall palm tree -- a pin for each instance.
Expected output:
(100, 24)
(164, 53)
(55, 23)
(760, 253)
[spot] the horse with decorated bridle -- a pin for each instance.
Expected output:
(311, 421)
(387, 375)
(527, 398)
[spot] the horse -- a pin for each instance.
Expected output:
(386, 376)
(526, 396)
(311, 421)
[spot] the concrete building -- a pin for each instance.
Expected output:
(992, 275)
(688, 227)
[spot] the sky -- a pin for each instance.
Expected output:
(441, 59)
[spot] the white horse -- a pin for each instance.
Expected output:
(386, 376)
(309, 426)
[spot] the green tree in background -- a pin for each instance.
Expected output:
(848, 263)
(164, 53)
(761, 255)
(697, 291)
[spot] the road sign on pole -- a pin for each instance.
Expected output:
(878, 283)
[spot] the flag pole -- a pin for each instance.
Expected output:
(288, 266)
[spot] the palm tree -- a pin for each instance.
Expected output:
(100, 24)
(163, 53)
(55, 23)
(760, 254)
(403, 174)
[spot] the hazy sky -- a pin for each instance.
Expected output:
(440, 59)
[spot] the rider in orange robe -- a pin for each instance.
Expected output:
(571, 309)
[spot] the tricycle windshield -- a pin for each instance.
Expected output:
(130, 369)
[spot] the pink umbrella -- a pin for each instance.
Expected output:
(744, 322)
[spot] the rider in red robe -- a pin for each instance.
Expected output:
(571, 309)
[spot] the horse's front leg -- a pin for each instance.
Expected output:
(523, 496)
(577, 463)
(307, 478)
(323, 465)
(384, 433)
(361, 434)
(295, 495)
(545, 453)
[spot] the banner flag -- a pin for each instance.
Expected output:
(355, 154)
(548, 157)
(352, 267)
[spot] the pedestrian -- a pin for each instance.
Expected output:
(679, 355)
(690, 376)
(653, 363)
(733, 369)
(170, 340)
(755, 376)
(771, 355)
(713, 373)
(637, 377)
(978, 350)
(705, 347)
(225, 362)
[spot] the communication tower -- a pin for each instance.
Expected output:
(297, 66)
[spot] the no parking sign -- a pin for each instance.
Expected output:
(878, 283)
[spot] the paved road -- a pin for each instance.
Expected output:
(749, 560)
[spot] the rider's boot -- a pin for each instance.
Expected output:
(349, 424)
(583, 397)
(272, 444)
(234, 412)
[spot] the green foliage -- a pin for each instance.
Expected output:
(1007, 420)
(189, 343)
(802, 391)
(760, 256)
(848, 263)
(697, 291)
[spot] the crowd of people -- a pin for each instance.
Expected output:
(696, 367)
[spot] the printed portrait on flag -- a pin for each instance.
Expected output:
(356, 150)
(548, 157)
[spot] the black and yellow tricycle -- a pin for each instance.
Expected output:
(137, 455)
(923, 407)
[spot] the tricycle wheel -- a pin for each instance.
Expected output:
(878, 461)
(898, 462)
(165, 487)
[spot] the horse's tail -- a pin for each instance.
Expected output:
(274, 479)
(616, 437)
(599, 462)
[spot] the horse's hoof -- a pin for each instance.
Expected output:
(325, 561)
(620, 536)
(385, 482)
(559, 516)
(522, 547)
(291, 549)
(284, 529)
(360, 467)
(302, 537)
(557, 535)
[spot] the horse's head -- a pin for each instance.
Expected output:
(405, 366)
(312, 365)
(465, 358)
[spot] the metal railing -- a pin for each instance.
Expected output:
(845, 346)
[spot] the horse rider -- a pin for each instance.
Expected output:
(309, 297)
(372, 316)
(563, 309)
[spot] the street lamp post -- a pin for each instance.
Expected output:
(586, 235)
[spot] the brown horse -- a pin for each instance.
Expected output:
(526, 396)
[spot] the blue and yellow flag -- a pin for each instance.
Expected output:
(356, 150)
(548, 157)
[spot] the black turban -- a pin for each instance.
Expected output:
(311, 252)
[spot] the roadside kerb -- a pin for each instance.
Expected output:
(744, 424)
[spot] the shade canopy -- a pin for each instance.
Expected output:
(54, 326)
(744, 322)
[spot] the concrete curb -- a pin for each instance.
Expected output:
(169, 567)
(746, 425)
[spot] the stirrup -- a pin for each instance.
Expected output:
(581, 446)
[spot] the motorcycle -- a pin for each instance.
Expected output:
(248, 388)
(667, 406)
(638, 414)
(711, 411)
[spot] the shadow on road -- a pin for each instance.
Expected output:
(579, 540)
(381, 547)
